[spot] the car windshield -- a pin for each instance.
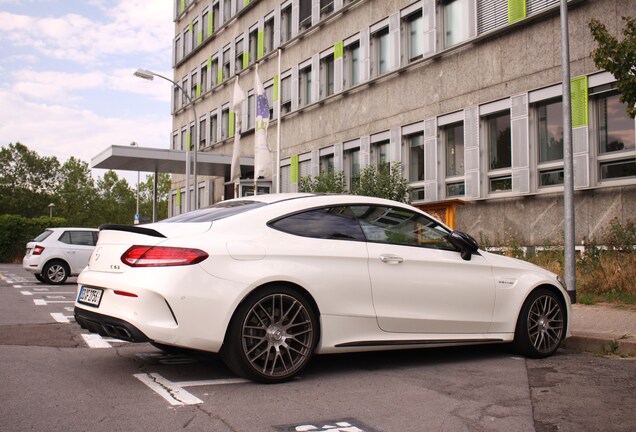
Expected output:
(217, 211)
(42, 236)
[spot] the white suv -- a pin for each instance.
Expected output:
(58, 253)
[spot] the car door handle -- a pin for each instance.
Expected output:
(391, 259)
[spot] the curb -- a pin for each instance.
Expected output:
(622, 345)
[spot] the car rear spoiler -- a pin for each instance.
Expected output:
(132, 229)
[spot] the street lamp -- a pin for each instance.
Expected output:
(149, 75)
(51, 210)
(136, 221)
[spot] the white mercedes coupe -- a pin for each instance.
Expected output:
(267, 281)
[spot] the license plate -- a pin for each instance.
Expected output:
(90, 296)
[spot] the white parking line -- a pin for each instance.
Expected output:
(61, 318)
(174, 392)
(42, 302)
(95, 341)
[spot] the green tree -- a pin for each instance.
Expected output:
(117, 203)
(618, 57)
(327, 182)
(27, 181)
(386, 182)
(145, 194)
(76, 196)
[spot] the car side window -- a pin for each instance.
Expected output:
(399, 226)
(84, 238)
(336, 223)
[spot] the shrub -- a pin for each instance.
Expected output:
(16, 231)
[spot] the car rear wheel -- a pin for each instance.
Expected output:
(55, 272)
(540, 327)
(272, 336)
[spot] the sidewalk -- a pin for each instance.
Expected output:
(603, 328)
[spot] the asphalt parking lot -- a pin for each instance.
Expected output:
(58, 377)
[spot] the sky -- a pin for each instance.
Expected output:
(66, 76)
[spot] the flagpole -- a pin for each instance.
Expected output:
(280, 91)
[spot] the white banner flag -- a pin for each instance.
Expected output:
(262, 155)
(237, 100)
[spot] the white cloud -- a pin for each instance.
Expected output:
(54, 130)
(132, 27)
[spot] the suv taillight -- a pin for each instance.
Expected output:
(38, 250)
(161, 256)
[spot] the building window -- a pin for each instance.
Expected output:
(215, 16)
(304, 18)
(204, 78)
(326, 164)
(380, 153)
(268, 35)
(175, 141)
(326, 8)
(285, 95)
(203, 133)
(352, 64)
(615, 135)
(214, 124)
(253, 44)
(182, 143)
(453, 139)
(225, 123)
(415, 144)
(226, 64)
(251, 116)
(187, 42)
(269, 93)
(456, 21)
(550, 130)
(204, 24)
(195, 34)
(551, 177)
(184, 94)
(286, 24)
(214, 72)
(413, 28)
(238, 51)
(194, 83)
(499, 151)
(227, 10)
(352, 168)
(177, 50)
(304, 86)
(326, 76)
(176, 100)
(380, 52)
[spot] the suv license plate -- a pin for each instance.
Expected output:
(90, 296)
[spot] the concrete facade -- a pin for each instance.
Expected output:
(512, 63)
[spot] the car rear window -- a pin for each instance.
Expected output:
(43, 236)
(217, 211)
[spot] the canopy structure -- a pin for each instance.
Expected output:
(134, 158)
(155, 160)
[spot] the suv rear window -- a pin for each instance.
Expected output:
(217, 211)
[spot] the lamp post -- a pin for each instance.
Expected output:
(136, 220)
(149, 75)
(51, 210)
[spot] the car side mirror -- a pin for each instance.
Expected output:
(464, 242)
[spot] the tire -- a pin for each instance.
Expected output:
(39, 278)
(541, 325)
(55, 272)
(272, 336)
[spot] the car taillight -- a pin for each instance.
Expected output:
(38, 250)
(161, 256)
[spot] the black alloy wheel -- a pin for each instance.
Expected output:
(541, 324)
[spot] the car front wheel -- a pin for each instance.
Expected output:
(272, 336)
(541, 324)
(55, 273)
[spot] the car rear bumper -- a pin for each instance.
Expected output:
(108, 326)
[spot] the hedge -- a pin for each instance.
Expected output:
(16, 231)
